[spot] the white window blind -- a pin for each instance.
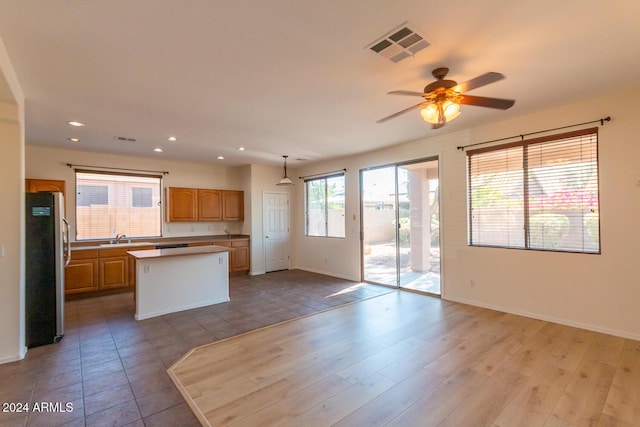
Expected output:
(537, 194)
(108, 204)
(324, 203)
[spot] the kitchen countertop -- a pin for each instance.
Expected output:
(161, 241)
(172, 252)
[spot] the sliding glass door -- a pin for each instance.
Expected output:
(380, 249)
(400, 225)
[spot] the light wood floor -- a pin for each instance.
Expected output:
(403, 359)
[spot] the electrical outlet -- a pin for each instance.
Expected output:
(147, 268)
(472, 283)
(326, 261)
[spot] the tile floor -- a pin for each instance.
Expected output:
(111, 369)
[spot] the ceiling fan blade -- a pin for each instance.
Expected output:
(482, 101)
(477, 82)
(406, 110)
(405, 92)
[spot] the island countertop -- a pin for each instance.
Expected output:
(172, 252)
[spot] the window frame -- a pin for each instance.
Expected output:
(528, 195)
(324, 178)
(129, 195)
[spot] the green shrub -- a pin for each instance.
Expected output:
(547, 230)
(404, 231)
(591, 224)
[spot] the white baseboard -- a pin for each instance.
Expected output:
(329, 273)
(552, 319)
(256, 273)
(20, 356)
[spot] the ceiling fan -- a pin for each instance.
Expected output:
(442, 98)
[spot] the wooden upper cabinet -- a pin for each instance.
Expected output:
(209, 205)
(232, 205)
(35, 185)
(191, 204)
(182, 204)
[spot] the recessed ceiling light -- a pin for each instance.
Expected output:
(172, 139)
(220, 157)
(74, 139)
(240, 148)
(76, 124)
(158, 150)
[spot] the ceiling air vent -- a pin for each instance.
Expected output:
(122, 138)
(399, 44)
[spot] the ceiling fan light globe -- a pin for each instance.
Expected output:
(430, 114)
(451, 109)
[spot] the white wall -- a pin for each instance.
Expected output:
(244, 172)
(598, 292)
(12, 344)
(50, 163)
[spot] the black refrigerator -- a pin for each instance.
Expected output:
(47, 254)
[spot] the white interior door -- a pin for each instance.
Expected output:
(276, 231)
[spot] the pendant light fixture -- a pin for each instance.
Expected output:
(285, 179)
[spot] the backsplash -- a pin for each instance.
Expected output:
(177, 229)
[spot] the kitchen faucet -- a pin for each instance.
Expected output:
(119, 237)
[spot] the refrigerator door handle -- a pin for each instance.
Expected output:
(67, 256)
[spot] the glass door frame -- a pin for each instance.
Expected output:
(396, 219)
(395, 167)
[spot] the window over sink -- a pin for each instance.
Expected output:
(108, 204)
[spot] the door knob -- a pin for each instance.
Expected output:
(266, 237)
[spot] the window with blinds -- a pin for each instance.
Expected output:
(108, 204)
(324, 203)
(538, 194)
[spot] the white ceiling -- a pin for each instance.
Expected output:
(294, 76)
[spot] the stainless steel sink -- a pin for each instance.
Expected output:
(125, 244)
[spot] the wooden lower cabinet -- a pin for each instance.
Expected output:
(114, 272)
(112, 268)
(95, 270)
(239, 258)
(240, 255)
(82, 275)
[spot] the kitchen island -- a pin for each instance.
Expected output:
(176, 279)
